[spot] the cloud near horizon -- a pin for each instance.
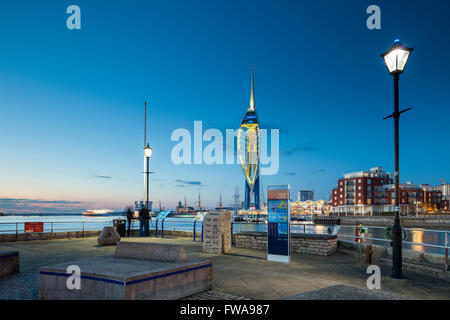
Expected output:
(307, 147)
(101, 177)
(190, 183)
(24, 205)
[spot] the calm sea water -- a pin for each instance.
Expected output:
(8, 224)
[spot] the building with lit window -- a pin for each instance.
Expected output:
(373, 193)
(319, 207)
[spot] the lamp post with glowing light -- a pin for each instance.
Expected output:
(395, 59)
(148, 153)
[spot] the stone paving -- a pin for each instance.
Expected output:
(215, 295)
(343, 292)
(240, 273)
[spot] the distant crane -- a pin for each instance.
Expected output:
(199, 202)
(236, 200)
(220, 202)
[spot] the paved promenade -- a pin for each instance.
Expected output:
(240, 273)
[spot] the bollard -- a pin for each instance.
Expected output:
(356, 232)
(369, 253)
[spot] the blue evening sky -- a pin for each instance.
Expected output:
(72, 101)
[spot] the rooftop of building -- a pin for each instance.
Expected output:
(374, 172)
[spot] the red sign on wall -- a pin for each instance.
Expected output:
(34, 227)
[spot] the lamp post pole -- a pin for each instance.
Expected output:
(148, 180)
(397, 229)
(395, 59)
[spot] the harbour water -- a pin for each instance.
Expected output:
(59, 223)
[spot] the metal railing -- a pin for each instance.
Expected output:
(54, 227)
(347, 233)
(189, 225)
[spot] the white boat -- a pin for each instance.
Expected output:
(97, 212)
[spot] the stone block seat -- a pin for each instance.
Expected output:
(9, 262)
(148, 272)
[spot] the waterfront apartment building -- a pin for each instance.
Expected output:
(305, 195)
(445, 189)
(373, 192)
(319, 207)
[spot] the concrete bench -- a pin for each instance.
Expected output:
(150, 251)
(129, 277)
(9, 262)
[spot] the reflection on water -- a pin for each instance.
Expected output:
(416, 236)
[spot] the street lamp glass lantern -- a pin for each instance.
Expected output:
(396, 57)
(148, 151)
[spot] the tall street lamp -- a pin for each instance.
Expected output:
(395, 59)
(148, 153)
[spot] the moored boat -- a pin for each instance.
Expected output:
(96, 212)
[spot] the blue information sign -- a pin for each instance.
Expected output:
(278, 228)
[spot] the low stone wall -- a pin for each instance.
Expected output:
(415, 261)
(9, 262)
(80, 234)
(47, 235)
(150, 251)
(315, 244)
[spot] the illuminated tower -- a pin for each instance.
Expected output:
(248, 152)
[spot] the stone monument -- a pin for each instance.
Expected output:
(108, 237)
(217, 232)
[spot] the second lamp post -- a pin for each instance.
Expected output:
(148, 153)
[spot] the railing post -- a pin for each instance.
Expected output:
(82, 232)
(156, 228)
(195, 221)
(231, 232)
(202, 231)
(446, 251)
(51, 231)
(17, 231)
(162, 228)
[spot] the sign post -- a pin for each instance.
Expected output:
(198, 217)
(278, 226)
